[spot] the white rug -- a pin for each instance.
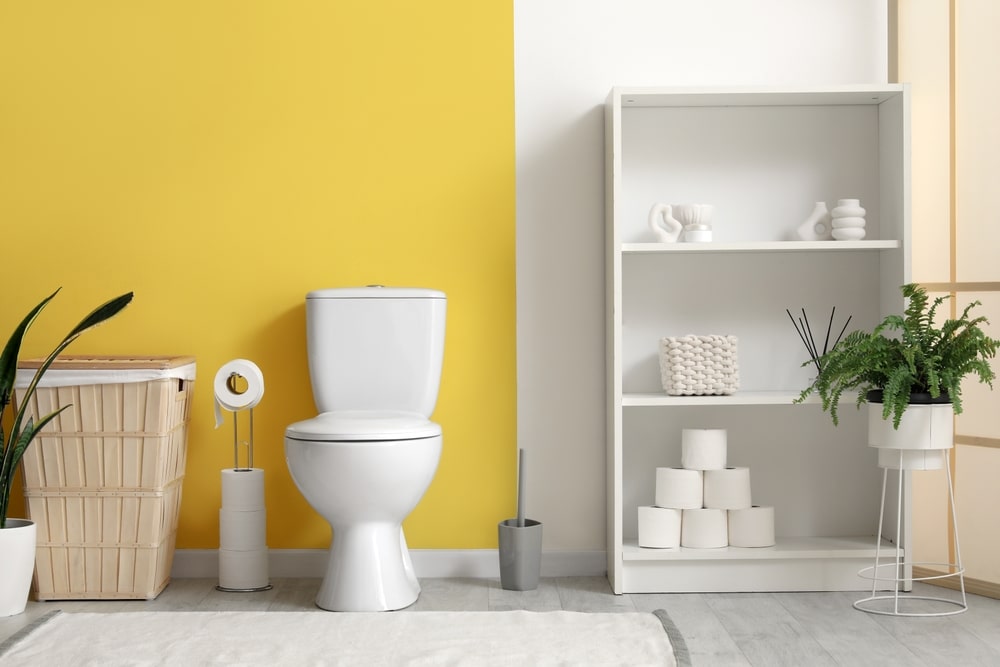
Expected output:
(320, 638)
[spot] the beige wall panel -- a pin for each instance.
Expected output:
(923, 63)
(980, 404)
(977, 495)
(930, 517)
(977, 139)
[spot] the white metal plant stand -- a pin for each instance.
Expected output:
(875, 603)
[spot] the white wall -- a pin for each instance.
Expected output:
(568, 54)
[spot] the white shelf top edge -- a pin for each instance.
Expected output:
(784, 549)
(665, 96)
(764, 246)
(739, 398)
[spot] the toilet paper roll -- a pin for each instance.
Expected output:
(230, 397)
(659, 527)
(704, 529)
(751, 527)
(242, 531)
(677, 488)
(243, 570)
(727, 489)
(243, 490)
(703, 448)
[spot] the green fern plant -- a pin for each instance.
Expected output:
(906, 355)
(14, 443)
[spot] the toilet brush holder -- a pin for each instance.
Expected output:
(520, 554)
(520, 542)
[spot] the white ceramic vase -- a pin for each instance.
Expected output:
(817, 226)
(17, 552)
(848, 220)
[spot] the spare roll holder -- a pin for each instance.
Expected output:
(243, 553)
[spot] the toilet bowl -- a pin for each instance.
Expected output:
(371, 453)
(364, 489)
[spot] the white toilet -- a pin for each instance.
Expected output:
(364, 463)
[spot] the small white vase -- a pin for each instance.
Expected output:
(848, 220)
(817, 226)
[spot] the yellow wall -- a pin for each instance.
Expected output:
(224, 158)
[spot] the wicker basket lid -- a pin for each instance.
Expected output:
(99, 362)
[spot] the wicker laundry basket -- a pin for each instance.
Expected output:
(102, 481)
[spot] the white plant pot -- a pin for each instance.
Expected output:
(930, 426)
(910, 459)
(17, 553)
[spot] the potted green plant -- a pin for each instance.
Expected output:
(906, 360)
(19, 534)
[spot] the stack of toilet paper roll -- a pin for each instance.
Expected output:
(704, 504)
(242, 531)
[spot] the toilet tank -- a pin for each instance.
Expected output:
(375, 348)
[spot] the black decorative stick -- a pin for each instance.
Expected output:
(843, 330)
(802, 336)
(804, 331)
(828, 327)
(809, 331)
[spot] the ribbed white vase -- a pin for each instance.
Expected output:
(848, 220)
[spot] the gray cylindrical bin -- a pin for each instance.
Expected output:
(520, 554)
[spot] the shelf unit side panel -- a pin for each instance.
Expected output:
(613, 343)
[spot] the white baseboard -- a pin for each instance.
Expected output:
(428, 563)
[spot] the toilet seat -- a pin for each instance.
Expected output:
(363, 426)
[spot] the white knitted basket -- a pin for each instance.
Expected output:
(699, 365)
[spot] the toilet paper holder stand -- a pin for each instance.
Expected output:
(236, 468)
(236, 443)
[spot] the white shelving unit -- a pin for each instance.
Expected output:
(762, 157)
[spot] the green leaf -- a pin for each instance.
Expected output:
(907, 354)
(17, 440)
(11, 351)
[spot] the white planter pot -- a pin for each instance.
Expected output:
(924, 427)
(17, 554)
(910, 459)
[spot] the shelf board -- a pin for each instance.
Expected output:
(756, 96)
(739, 398)
(761, 246)
(786, 548)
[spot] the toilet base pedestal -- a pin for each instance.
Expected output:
(369, 570)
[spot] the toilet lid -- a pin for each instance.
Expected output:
(353, 426)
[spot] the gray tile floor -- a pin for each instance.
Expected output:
(769, 629)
